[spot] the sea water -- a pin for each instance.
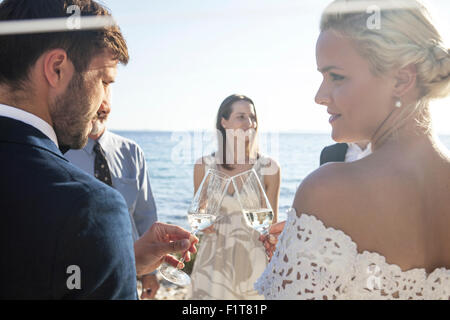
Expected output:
(170, 158)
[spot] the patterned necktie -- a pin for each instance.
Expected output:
(101, 169)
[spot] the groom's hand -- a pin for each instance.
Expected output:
(270, 240)
(158, 242)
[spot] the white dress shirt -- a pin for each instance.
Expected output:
(354, 152)
(30, 119)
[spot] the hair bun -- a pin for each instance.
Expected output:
(440, 53)
(442, 58)
(439, 73)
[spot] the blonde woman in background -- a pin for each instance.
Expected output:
(230, 257)
(376, 228)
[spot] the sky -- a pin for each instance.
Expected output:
(187, 56)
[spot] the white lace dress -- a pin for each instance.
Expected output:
(231, 259)
(315, 262)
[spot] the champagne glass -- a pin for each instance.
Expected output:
(256, 208)
(202, 213)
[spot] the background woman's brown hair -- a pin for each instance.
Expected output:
(225, 111)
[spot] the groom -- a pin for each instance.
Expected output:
(345, 152)
(64, 234)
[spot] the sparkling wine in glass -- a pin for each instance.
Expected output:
(202, 213)
(256, 208)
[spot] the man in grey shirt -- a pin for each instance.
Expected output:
(120, 163)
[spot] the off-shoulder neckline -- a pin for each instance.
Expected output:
(366, 252)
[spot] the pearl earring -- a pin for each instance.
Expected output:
(398, 104)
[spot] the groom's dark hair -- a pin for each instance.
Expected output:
(19, 52)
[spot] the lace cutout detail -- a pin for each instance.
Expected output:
(315, 262)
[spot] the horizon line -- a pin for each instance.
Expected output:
(262, 132)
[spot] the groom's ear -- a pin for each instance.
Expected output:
(57, 68)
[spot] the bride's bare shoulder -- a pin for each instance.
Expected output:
(336, 193)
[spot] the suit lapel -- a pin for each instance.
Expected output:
(341, 151)
(334, 153)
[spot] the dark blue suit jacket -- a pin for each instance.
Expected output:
(334, 153)
(53, 216)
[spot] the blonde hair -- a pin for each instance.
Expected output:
(405, 35)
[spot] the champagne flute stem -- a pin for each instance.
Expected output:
(183, 256)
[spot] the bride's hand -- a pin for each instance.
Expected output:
(270, 240)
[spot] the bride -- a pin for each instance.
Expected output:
(376, 228)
